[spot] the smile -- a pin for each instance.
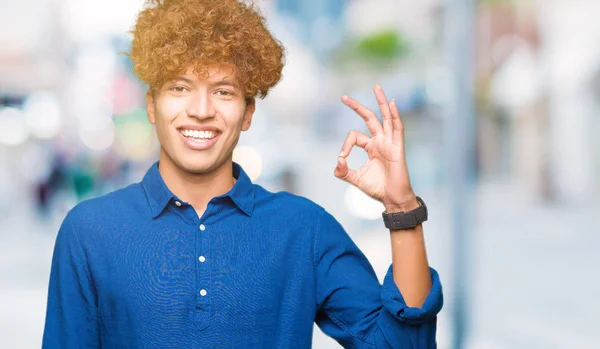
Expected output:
(199, 139)
(199, 135)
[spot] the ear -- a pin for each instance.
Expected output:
(250, 108)
(150, 108)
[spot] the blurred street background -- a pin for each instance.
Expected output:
(501, 105)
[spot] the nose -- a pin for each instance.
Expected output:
(200, 106)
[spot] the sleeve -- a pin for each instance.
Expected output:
(72, 313)
(355, 309)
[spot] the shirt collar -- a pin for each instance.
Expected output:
(242, 193)
(157, 191)
(159, 195)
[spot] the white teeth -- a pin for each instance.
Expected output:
(199, 134)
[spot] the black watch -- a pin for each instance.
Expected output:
(406, 220)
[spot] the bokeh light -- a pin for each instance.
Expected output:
(98, 139)
(250, 160)
(134, 136)
(361, 205)
(13, 129)
(43, 115)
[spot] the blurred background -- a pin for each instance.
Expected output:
(501, 105)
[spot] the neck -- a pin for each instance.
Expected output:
(197, 189)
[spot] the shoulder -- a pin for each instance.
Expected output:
(284, 200)
(123, 203)
(290, 207)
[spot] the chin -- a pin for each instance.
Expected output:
(196, 167)
(193, 162)
(199, 166)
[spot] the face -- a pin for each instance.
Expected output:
(199, 121)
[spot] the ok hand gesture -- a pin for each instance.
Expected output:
(384, 176)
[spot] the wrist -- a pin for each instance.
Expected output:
(409, 204)
(409, 215)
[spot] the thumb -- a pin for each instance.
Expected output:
(343, 172)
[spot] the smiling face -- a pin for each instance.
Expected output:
(199, 121)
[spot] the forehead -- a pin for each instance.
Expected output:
(211, 72)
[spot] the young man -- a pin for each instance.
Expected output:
(195, 255)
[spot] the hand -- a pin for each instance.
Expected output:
(384, 176)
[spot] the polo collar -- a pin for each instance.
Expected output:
(157, 192)
(159, 195)
(242, 193)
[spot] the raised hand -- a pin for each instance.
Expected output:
(384, 176)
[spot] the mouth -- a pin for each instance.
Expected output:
(199, 139)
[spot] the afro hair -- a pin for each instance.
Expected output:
(172, 35)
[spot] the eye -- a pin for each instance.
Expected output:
(178, 89)
(224, 93)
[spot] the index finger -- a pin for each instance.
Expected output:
(370, 118)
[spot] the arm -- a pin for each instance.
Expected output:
(411, 293)
(385, 178)
(354, 308)
(409, 260)
(72, 314)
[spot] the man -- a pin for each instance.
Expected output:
(195, 255)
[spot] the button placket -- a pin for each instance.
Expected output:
(203, 268)
(203, 311)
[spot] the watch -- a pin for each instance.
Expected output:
(406, 220)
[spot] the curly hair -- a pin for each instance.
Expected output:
(171, 35)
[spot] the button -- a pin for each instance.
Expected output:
(202, 227)
(178, 204)
(201, 259)
(203, 292)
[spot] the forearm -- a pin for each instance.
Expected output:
(409, 261)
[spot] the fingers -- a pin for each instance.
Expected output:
(343, 172)
(370, 118)
(386, 113)
(389, 113)
(397, 126)
(354, 138)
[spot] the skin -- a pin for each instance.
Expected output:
(217, 102)
(384, 177)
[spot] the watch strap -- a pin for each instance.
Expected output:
(406, 220)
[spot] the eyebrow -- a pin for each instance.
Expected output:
(212, 83)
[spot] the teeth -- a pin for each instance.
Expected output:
(199, 134)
